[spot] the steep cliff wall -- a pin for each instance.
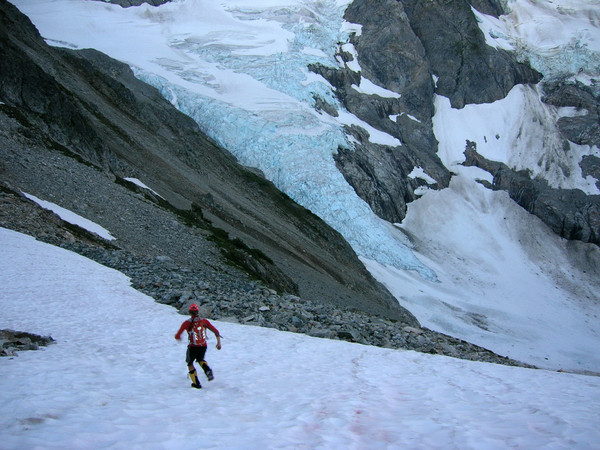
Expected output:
(417, 50)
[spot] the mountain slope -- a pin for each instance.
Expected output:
(292, 88)
(86, 105)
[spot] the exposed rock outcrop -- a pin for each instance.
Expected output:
(12, 341)
(468, 70)
(570, 213)
(402, 47)
(581, 129)
(391, 56)
(590, 166)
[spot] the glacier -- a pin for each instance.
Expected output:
(476, 265)
(240, 70)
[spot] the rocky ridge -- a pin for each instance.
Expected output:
(582, 129)
(570, 213)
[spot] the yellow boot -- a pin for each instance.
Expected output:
(194, 377)
(207, 370)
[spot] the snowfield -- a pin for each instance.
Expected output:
(116, 378)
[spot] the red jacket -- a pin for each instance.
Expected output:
(196, 331)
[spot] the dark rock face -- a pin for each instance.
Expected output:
(570, 213)
(581, 129)
(570, 94)
(379, 175)
(88, 110)
(401, 46)
(590, 165)
(391, 56)
(469, 70)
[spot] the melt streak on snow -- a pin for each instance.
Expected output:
(116, 378)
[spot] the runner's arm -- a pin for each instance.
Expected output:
(215, 331)
(181, 330)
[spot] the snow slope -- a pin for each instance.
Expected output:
(506, 282)
(239, 68)
(115, 378)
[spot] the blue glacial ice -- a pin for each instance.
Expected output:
(292, 145)
(302, 166)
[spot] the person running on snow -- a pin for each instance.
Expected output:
(196, 329)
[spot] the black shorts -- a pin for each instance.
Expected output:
(194, 354)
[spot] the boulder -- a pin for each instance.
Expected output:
(12, 341)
